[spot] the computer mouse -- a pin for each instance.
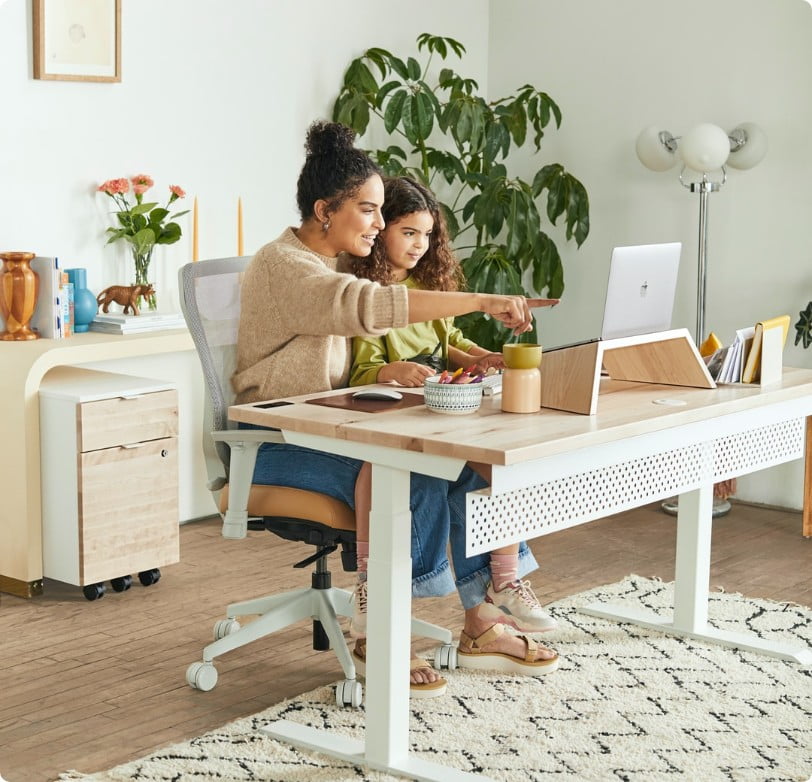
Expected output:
(381, 394)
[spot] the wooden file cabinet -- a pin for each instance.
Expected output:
(109, 461)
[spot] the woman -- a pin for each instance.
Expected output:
(299, 306)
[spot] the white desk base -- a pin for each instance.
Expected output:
(692, 576)
(352, 750)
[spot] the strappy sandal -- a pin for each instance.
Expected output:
(422, 690)
(471, 654)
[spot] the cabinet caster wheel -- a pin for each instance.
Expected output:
(201, 676)
(349, 693)
(445, 657)
(121, 584)
(94, 591)
(225, 627)
(149, 577)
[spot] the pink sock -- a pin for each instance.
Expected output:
(504, 569)
(361, 556)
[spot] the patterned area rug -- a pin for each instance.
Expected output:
(626, 704)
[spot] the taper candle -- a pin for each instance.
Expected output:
(240, 247)
(195, 254)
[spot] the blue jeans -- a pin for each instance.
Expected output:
(438, 515)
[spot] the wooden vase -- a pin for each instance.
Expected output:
(19, 286)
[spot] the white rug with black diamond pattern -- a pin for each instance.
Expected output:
(626, 704)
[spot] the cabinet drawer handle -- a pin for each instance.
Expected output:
(133, 445)
(130, 396)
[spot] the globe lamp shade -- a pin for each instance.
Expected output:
(705, 148)
(749, 146)
(653, 151)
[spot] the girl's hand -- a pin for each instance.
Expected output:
(406, 373)
(512, 311)
(484, 363)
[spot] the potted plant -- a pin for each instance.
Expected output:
(803, 328)
(449, 137)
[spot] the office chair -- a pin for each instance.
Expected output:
(210, 302)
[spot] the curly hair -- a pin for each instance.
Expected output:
(438, 269)
(334, 169)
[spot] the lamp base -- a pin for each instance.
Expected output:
(720, 507)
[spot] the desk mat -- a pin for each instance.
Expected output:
(346, 402)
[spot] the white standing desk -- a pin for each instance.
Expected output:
(551, 470)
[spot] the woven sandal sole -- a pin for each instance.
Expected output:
(504, 663)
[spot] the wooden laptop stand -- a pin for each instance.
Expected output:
(570, 376)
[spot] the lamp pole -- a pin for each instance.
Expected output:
(705, 187)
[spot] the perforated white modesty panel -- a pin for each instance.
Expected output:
(584, 496)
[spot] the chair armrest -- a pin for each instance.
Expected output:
(243, 445)
(247, 436)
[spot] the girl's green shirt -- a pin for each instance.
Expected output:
(369, 354)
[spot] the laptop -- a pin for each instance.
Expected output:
(641, 289)
(640, 293)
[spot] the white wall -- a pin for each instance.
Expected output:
(215, 96)
(616, 67)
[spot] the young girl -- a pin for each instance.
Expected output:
(414, 250)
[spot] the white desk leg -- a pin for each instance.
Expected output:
(389, 608)
(691, 580)
(692, 566)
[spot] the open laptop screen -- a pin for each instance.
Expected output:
(641, 289)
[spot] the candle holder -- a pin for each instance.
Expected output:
(19, 286)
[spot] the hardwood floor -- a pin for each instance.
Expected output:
(90, 685)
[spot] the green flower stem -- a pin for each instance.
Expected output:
(142, 261)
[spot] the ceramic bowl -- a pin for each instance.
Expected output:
(452, 399)
(522, 355)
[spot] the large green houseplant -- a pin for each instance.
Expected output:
(455, 141)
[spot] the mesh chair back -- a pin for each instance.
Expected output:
(210, 302)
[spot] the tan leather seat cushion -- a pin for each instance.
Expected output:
(297, 504)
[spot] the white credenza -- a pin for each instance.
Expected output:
(109, 467)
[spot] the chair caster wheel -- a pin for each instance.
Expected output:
(121, 584)
(201, 676)
(225, 627)
(349, 693)
(445, 657)
(94, 591)
(149, 577)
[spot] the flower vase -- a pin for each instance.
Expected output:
(85, 306)
(19, 286)
(142, 261)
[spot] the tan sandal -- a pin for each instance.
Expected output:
(416, 690)
(471, 654)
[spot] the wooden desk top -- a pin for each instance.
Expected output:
(491, 436)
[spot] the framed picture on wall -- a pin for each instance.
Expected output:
(77, 40)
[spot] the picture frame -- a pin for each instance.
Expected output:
(77, 40)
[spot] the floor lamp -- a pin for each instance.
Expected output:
(705, 152)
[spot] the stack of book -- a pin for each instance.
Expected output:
(118, 323)
(52, 318)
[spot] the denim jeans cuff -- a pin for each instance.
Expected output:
(435, 584)
(472, 590)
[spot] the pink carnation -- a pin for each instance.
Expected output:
(177, 191)
(140, 189)
(115, 187)
(142, 179)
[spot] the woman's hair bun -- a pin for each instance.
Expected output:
(328, 138)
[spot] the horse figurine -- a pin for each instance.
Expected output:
(125, 295)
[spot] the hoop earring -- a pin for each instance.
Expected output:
(325, 226)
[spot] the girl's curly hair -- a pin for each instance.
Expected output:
(438, 269)
(334, 169)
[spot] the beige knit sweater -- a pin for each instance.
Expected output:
(297, 312)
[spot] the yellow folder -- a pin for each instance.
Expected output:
(764, 361)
